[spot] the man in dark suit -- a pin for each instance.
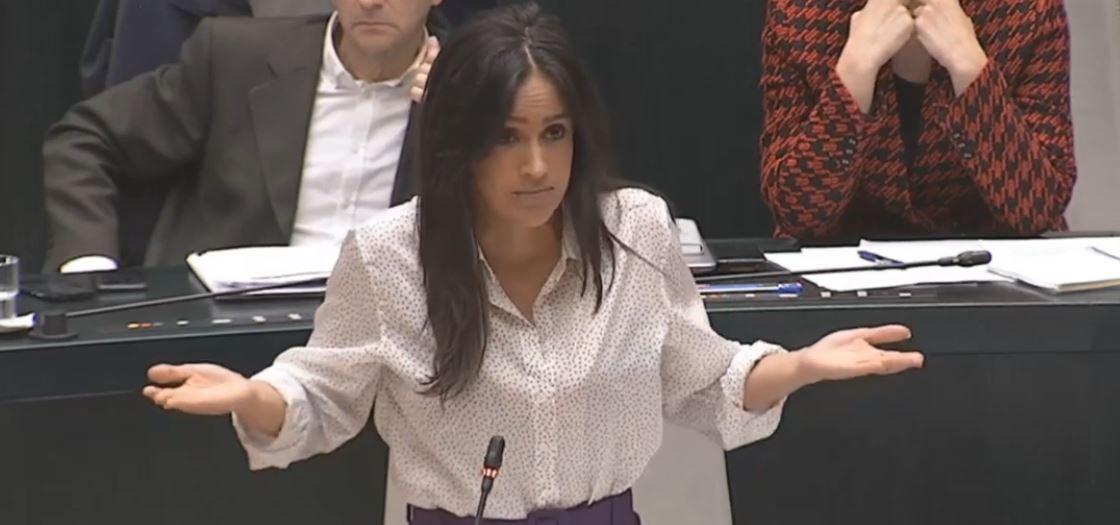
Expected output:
(267, 132)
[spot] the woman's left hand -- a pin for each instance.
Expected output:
(853, 353)
(420, 82)
(946, 31)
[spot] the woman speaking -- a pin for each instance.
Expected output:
(525, 293)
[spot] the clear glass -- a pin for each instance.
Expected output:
(9, 285)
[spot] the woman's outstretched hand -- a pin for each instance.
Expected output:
(841, 355)
(854, 353)
(210, 390)
(202, 389)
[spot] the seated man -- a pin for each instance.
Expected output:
(268, 131)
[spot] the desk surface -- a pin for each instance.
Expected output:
(229, 317)
(992, 317)
(202, 318)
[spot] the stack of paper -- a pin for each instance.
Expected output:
(1063, 264)
(240, 268)
(1058, 265)
(1058, 271)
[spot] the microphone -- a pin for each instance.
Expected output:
(970, 258)
(490, 467)
(54, 325)
(963, 260)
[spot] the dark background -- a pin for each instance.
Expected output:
(40, 45)
(681, 79)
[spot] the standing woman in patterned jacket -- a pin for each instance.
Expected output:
(522, 294)
(916, 117)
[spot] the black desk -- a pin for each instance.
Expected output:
(79, 444)
(1016, 419)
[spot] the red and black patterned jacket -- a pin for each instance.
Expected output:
(997, 159)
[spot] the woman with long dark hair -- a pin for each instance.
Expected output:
(524, 293)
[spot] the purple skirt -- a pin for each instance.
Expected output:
(615, 510)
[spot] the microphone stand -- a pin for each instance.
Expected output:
(965, 259)
(54, 326)
(490, 467)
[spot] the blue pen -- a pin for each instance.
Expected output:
(876, 258)
(781, 288)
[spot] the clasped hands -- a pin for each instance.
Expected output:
(880, 30)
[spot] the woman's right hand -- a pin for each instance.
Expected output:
(876, 33)
(202, 389)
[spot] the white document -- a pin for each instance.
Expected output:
(903, 251)
(1068, 270)
(1060, 264)
(1007, 248)
(839, 257)
(1109, 247)
(918, 251)
(239, 268)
